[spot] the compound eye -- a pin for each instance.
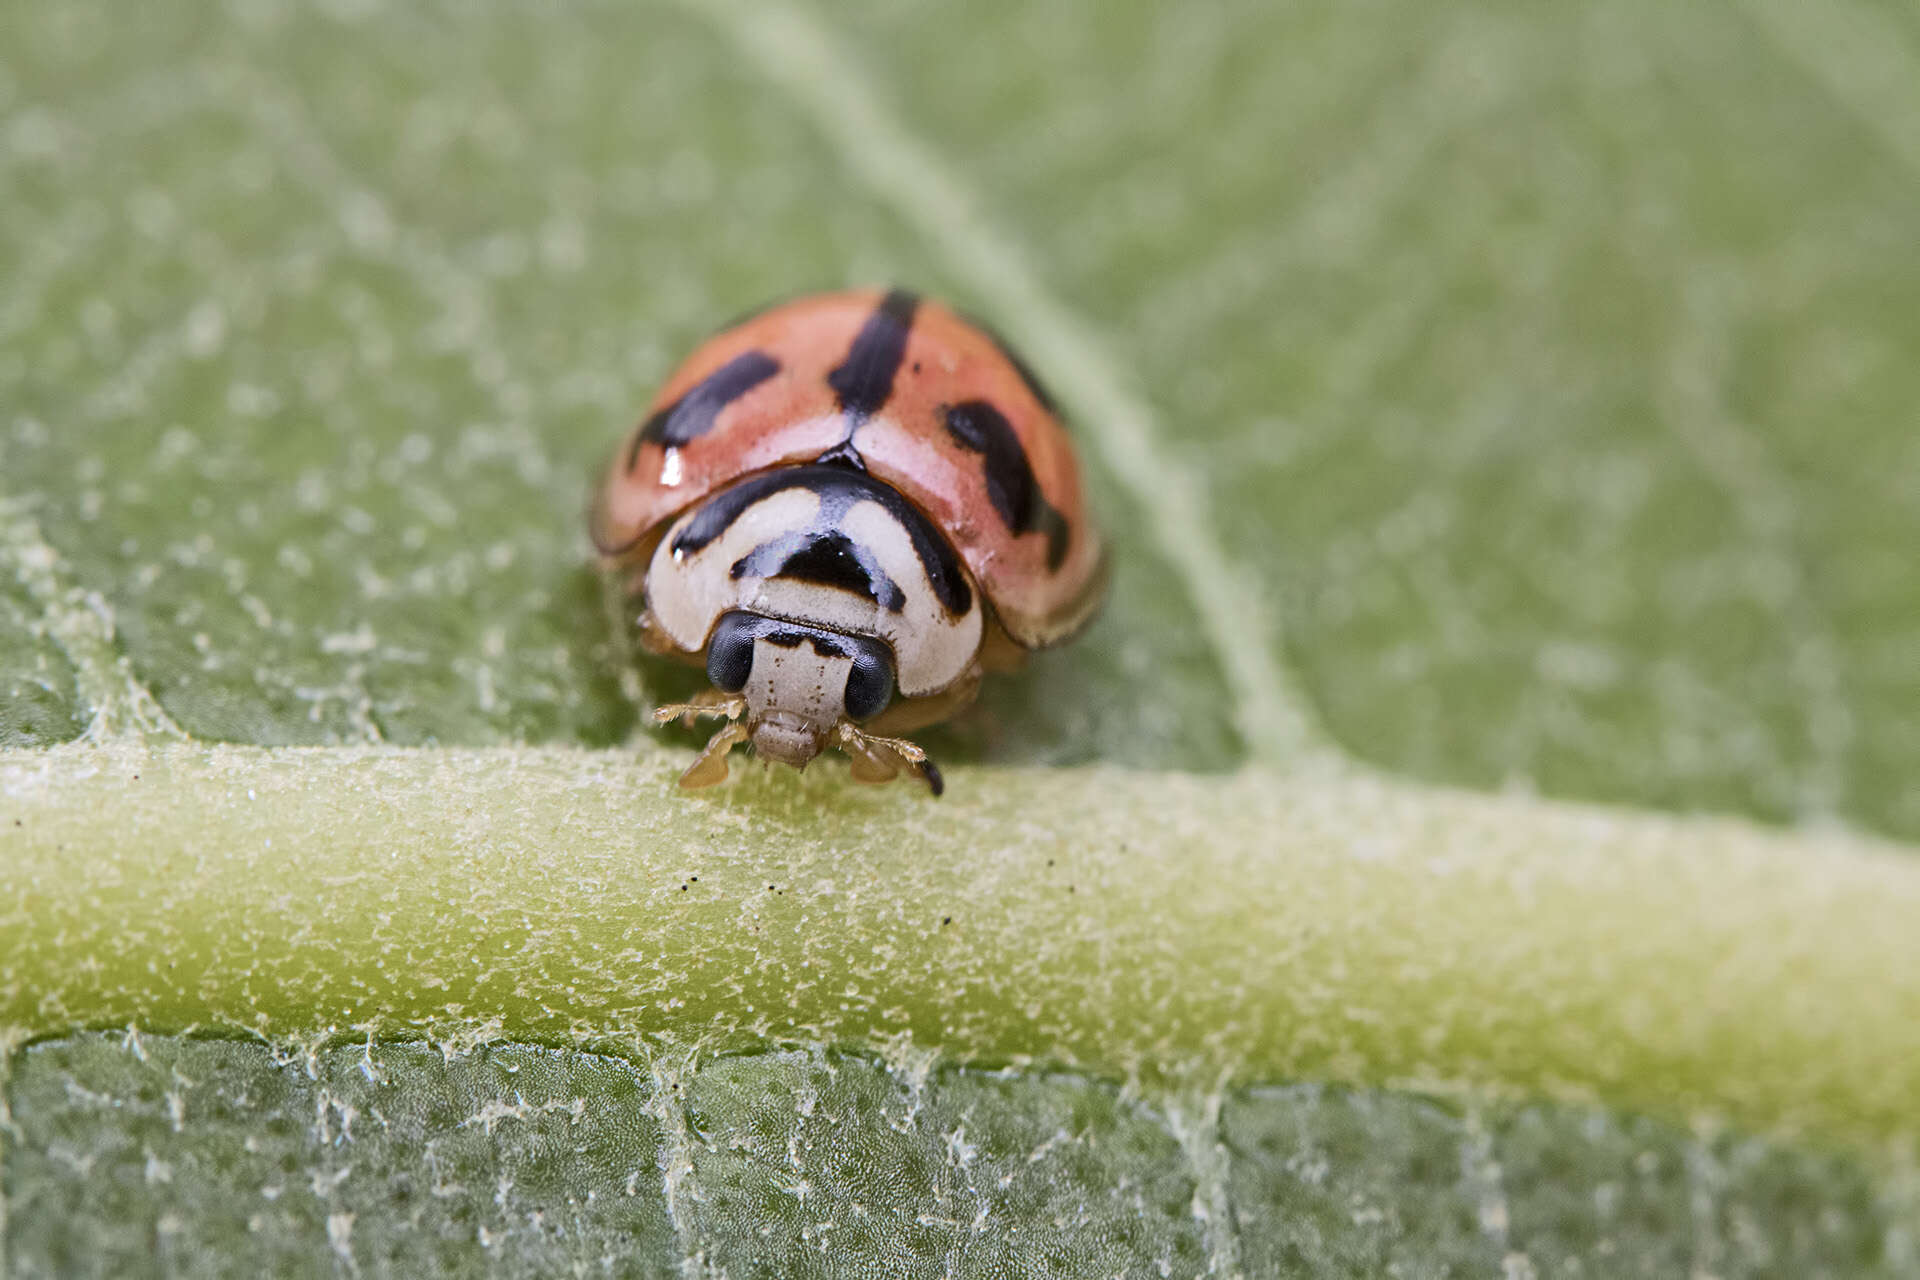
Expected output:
(730, 653)
(869, 685)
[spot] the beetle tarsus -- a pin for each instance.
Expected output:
(708, 702)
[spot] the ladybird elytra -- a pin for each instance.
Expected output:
(847, 508)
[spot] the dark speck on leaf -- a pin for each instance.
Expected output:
(946, 919)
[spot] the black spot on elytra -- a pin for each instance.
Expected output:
(831, 559)
(692, 415)
(864, 380)
(980, 428)
(838, 489)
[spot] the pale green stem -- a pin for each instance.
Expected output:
(1173, 929)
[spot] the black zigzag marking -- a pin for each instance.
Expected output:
(826, 557)
(692, 415)
(980, 428)
(838, 489)
(864, 380)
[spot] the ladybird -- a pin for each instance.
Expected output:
(848, 507)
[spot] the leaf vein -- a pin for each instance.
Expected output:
(1195, 1122)
(80, 623)
(1858, 59)
(792, 49)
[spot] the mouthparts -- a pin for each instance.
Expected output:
(788, 738)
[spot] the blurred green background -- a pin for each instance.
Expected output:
(1548, 368)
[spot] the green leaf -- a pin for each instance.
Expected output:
(37, 698)
(1313, 927)
(521, 1161)
(1483, 395)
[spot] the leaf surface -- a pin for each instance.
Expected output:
(1478, 395)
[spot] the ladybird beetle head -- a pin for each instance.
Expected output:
(799, 681)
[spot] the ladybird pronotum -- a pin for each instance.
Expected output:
(848, 508)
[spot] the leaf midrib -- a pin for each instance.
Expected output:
(1157, 927)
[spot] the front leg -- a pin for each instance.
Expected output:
(711, 764)
(877, 759)
(707, 702)
(870, 763)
